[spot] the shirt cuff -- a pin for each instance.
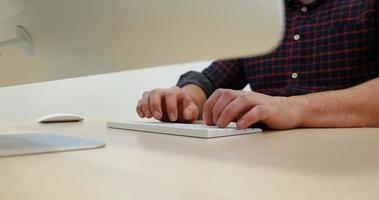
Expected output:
(198, 79)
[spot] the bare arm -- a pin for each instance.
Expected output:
(353, 107)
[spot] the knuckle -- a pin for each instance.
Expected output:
(244, 99)
(227, 112)
(146, 93)
(171, 109)
(158, 92)
(144, 103)
(170, 103)
(155, 92)
(219, 91)
(215, 113)
(170, 92)
(154, 98)
(223, 89)
(174, 88)
(228, 94)
(177, 89)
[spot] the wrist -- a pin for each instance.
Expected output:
(302, 109)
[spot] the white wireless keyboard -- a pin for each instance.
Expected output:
(192, 130)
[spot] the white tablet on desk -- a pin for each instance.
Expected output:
(37, 143)
(199, 130)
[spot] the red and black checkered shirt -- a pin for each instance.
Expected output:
(328, 45)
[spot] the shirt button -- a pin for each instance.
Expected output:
(296, 37)
(294, 75)
(304, 9)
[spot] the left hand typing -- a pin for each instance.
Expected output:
(248, 108)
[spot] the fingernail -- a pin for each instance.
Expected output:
(241, 123)
(148, 115)
(220, 123)
(172, 116)
(157, 114)
(141, 114)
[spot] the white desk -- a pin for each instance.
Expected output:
(295, 164)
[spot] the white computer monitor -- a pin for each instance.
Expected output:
(72, 38)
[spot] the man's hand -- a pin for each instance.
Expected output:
(172, 104)
(248, 108)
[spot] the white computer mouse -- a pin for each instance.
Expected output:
(60, 117)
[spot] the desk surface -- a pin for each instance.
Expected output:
(293, 164)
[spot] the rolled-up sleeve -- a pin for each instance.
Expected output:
(227, 74)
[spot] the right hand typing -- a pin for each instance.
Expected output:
(169, 105)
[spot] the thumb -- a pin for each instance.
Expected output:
(191, 112)
(189, 109)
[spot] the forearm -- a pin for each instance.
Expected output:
(353, 107)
